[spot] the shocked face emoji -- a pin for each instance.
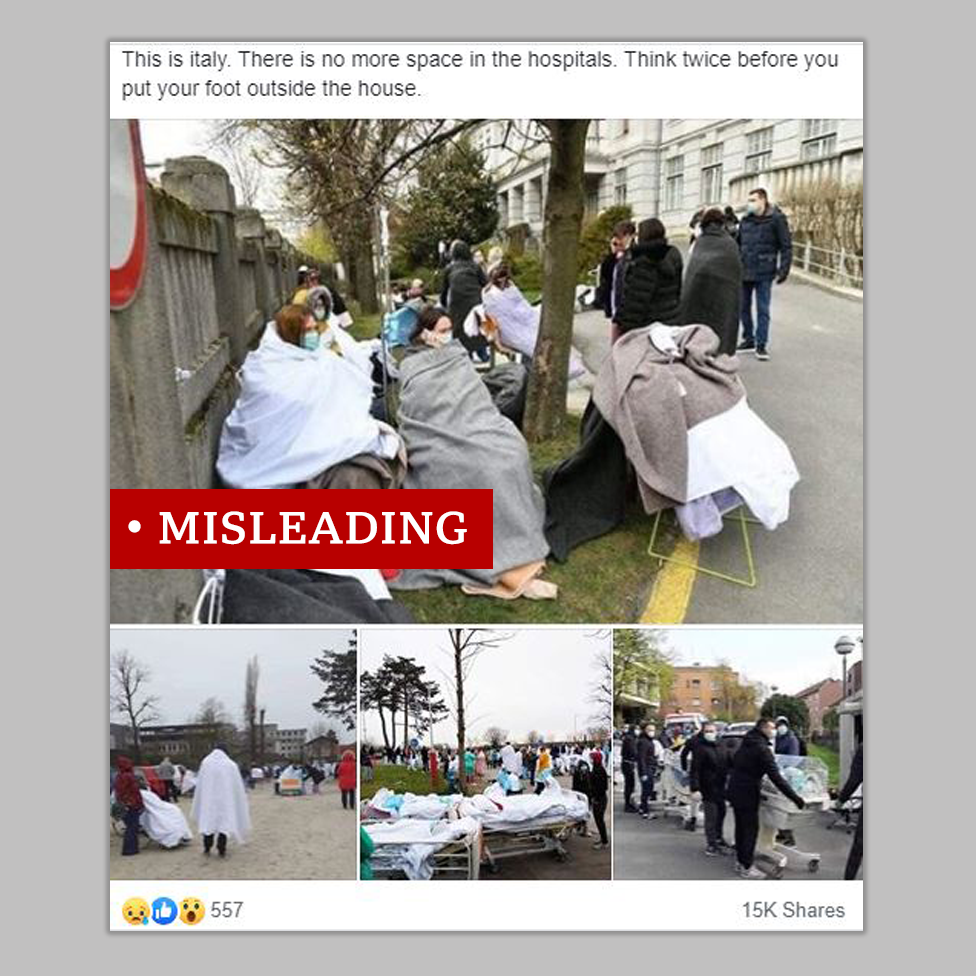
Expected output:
(191, 911)
(136, 911)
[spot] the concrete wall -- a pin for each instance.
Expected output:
(214, 276)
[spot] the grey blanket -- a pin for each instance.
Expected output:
(456, 438)
(652, 403)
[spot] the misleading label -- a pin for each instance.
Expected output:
(281, 529)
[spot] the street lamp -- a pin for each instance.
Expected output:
(844, 646)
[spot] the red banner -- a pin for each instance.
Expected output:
(292, 529)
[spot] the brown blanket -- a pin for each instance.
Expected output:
(652, 403)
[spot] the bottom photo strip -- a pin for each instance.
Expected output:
(549, 754)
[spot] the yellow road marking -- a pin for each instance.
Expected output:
(671, 593)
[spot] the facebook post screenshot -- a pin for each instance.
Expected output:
(597, 309)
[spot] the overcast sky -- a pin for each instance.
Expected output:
(539, 680)
(189, 666)
(790, 659)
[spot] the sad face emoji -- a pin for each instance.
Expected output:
(191, 911)
(136, 911)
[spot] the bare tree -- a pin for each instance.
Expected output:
(251, 708)
(467, 645)
(129, 697)
(601, 688)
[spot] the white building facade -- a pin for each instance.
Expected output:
(669, 168)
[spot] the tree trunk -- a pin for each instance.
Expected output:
(459, 683)
(386, 738)
(545, 408)
(365, 276)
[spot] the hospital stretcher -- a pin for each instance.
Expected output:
(455, 860)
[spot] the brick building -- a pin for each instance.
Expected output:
(820, 698)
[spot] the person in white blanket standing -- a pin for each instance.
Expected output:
(220, 803)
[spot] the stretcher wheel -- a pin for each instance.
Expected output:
(814, 866)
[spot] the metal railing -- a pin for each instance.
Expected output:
(842, 267)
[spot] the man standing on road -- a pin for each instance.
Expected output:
(767, 253)
(628, 760)
(709, 770)
(648, 752)
(855, 780)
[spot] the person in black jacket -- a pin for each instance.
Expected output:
(855, 778)
(461, 291)
(712, 285)
(647, 752)
(709, 770)
(599, 783)
(628, 761)
(753, 760)
(623, 236)
(767, 254)
(649, 282)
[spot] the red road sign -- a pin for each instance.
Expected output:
(127, 212)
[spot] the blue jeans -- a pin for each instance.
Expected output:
(764, 290)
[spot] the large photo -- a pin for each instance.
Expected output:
(644, 335)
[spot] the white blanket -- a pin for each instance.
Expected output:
(298, 413)
(219, 800)
(163, 822)
(409, 845)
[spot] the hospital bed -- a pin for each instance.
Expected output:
(808, 777)
(455, 859)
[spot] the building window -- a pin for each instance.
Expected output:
(819, 148)
(711, 175)
(696, 701)
(759, 150)
(620, 186)
(674, 185)
(815, 128)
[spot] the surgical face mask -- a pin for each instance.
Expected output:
(310, 340)
(651, 730)
(781, 730)
(320, 313)
(710, 736)
(753, 207)
(437, 339)
(771, 736)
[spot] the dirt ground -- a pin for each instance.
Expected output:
(294, 838)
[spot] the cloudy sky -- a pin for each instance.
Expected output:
(791, 659)
(538, 680)
(189, 666)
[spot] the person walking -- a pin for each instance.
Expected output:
(127, 794)
(649, 281)
(766, 249)
(648, 754)
(709, 771)
(220, 802)
(628, 762)
(753, 760)
(346, 777)
(461, 291)
(787, 743)
(855, 779)
(599, 784)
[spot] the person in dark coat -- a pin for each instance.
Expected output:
(461, 291)
(127, 793)
(709, 771)
(649, 282)
(767, 253)
(712, 286)
(855, 778)
(628, 761)
(787, 743)
(647, 765)
(753, 760)
(731, 224)
(623, 236)
(599, 784)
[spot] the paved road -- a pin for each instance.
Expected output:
(663, 850)
(811, 393)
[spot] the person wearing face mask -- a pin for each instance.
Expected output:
(301, 410)
(650, 753)
(766, 249)
(709, 771)
(753, 760)
(787, 744)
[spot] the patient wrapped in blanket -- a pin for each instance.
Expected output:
(456, 438)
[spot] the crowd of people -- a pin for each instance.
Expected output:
(725, 772)
(145, 798)
(732, 266)
(517, 769)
